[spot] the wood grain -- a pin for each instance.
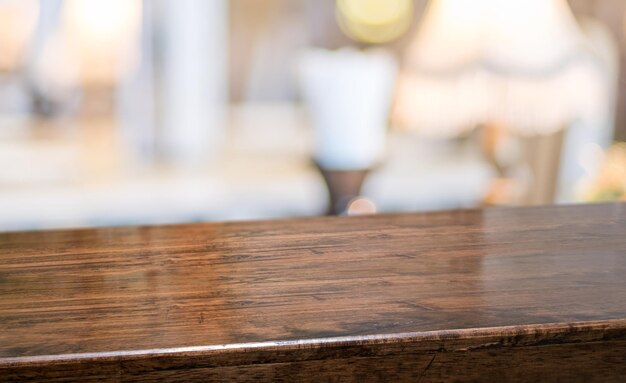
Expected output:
(462, 295)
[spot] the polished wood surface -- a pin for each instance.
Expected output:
(459, 295)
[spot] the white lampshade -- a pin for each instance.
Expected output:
(348, 94)
(524, 63)
(509, 36)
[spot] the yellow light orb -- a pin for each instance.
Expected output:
(374, 21)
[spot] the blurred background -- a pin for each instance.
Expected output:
(123, 112)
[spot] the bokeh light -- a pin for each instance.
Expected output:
(374, 21)
(361, 206)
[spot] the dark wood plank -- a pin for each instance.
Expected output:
(410, 296)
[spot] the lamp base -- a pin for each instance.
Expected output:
(343, 185)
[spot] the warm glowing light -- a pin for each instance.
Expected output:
(102, 22)
(103, 34)
(374, 21)
(18, 19)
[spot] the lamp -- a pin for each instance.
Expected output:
(348, 94)
(525, 65)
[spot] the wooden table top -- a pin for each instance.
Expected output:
(218, 286)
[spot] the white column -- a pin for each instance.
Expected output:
(136, 95)
(194, 79)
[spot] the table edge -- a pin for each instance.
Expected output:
(516, 336)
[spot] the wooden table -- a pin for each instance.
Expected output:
(529, 294)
